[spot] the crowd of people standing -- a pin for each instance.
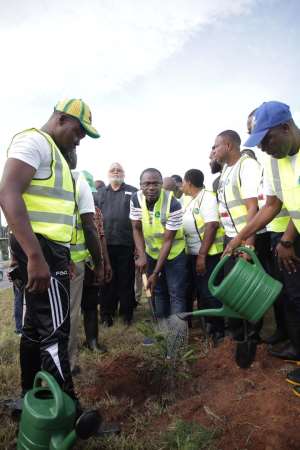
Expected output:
(77, 244)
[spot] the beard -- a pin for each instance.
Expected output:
(215, 166)
(116, 180)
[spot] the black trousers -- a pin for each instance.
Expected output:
(199, 283)
(263, 252)
(45, 333)
(291, 282)
(121, 287)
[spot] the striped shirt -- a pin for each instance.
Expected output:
(174, 220)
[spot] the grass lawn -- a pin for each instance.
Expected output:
(131, 384)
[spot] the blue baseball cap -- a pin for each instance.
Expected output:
(267, 116)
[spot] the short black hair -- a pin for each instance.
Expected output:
(233, 136)
(194, 176)
(177, 178)
(249, 152)
(152, 170)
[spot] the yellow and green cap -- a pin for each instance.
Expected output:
(79, 109)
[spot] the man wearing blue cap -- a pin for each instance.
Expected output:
(277, 135)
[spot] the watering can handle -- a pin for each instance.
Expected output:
(215, 273)
(223, 261)
(54, 388)
(252, 254)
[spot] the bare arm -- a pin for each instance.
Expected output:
(163, 255)
(107, 265)
(264, 216)
(210, 230)
(286, 256)
(252, 207)
(290, 233)
(139, 242)
(16, 178)
(93, 243)
(165, 249)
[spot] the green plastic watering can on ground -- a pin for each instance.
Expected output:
(246, 292)
(48, 418)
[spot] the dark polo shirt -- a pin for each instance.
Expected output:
(115, 208)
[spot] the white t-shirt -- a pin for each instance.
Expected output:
(85, 200)
(250, 176)
(206, 201)
(33, 149)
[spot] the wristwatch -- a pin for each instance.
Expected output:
(286, 244)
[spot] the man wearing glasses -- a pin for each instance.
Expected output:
(158, 235)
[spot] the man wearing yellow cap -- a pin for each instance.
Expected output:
(37, 198)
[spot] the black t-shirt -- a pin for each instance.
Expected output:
(115, 208)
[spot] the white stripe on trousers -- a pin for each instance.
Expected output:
(55, 303)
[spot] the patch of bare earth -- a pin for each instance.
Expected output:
(254, 409)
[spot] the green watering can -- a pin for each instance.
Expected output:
(48, 418)
(246, 292)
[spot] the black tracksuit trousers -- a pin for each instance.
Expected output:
(46, 328)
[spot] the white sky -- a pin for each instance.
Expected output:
(162, 78)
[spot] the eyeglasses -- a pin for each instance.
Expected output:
(151, 183)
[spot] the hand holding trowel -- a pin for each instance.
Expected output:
(149, 296)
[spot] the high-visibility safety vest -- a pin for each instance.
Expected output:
(185, 200)
(218, 244)
(280, 222)
(233, 198)
(154, 226)
(50, 202)
(285, 179)
(79, 251)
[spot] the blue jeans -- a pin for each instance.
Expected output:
(170, 290)
(18, 308)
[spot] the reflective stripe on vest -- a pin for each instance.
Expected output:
(232, 193)
(154, 227)
(50, 202)
(286, 184)
(218, 244)
(79, 252)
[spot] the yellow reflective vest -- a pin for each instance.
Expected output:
(285, 178)
(154, 226)
(218, 244)
(280, 222)
(79, 251)
(50, 202)
(233, 197)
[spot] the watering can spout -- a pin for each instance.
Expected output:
(63, 442)
(218, 312)
(184, 315)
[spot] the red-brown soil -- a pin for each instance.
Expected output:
(254, 409)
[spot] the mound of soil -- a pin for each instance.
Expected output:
(254, 408)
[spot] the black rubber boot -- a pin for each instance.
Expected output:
(279, 336)
(90, 321)
(290, 351)
(293, 377)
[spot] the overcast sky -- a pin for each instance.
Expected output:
(162, 78)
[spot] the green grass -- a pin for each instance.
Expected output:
(139, 428)
(184, 435)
